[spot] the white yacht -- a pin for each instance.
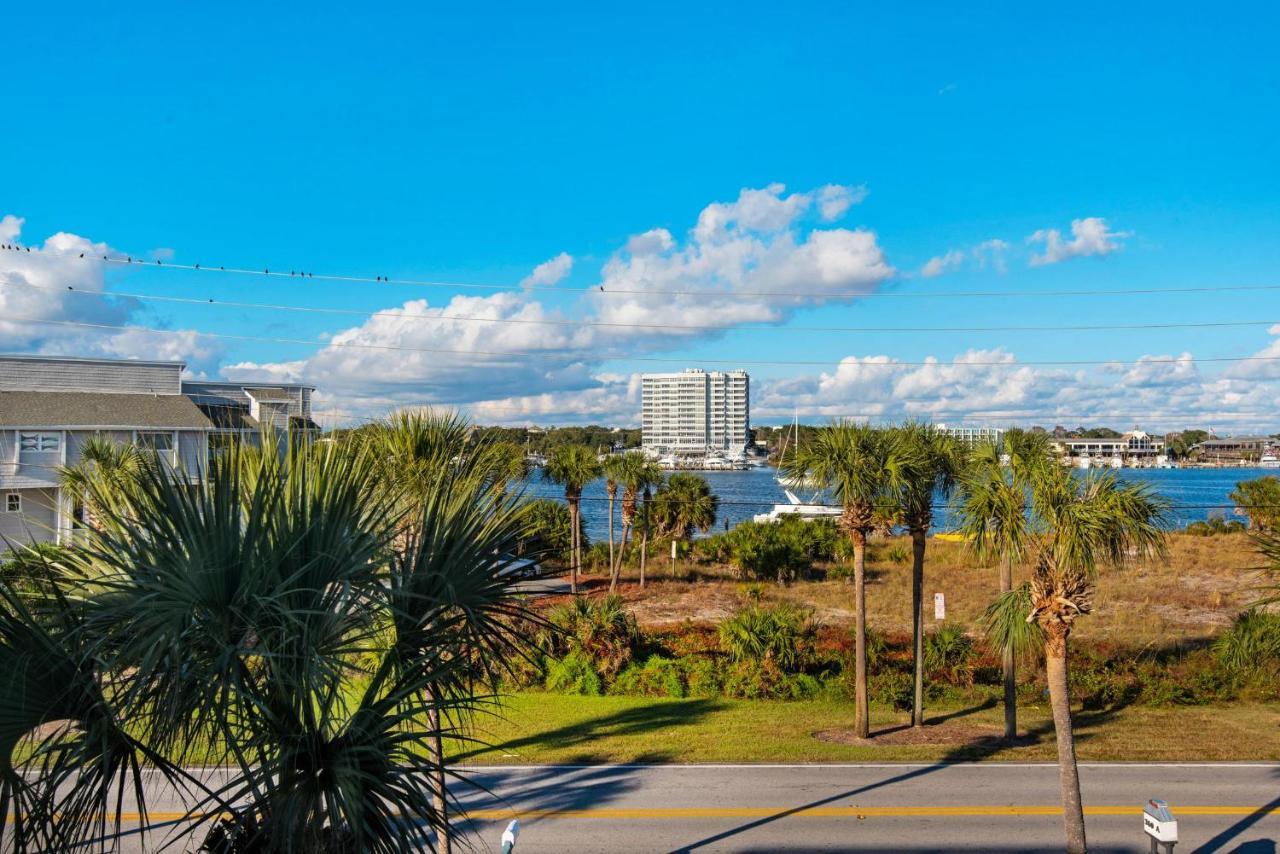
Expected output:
(1269, 461)
(810, 510)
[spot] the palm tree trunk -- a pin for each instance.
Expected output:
(917, 618)
(612, 496)
(437, 759)
(622, 551)
(1008, 663)
(644, 552)
(1055, 659)
(862, 723)
(575, 551)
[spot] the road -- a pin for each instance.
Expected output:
(992, 807)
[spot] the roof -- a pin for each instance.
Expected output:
(100, 410)
(268, 394)
(37, 357)
(229, 417)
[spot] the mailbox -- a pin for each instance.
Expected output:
(1159, 824)
(510, 835)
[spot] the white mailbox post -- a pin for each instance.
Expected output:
(1160, 825)
(510, 835)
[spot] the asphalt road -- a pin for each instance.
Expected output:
(992, 807)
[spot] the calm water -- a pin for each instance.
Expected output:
(746, 493)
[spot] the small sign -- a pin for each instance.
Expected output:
(939, 606)
(1158, 821)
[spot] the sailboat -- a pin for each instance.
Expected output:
(810, 509)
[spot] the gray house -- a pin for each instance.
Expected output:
(49, 407)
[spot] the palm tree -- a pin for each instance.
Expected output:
(932, 462)
(1083, 523)
(646, 523)
(994, 491)
(860, 466)
(573, 466)
(611, 467)
(253, 620)
(635, 472)
(105, 473)
(683, 504)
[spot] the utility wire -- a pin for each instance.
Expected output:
(299, 274)
(557, 356)
(787, 328)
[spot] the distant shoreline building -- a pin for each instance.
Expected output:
(972, 435)
(1136, 449)
(696, 413)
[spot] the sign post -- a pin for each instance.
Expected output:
(1160, 825)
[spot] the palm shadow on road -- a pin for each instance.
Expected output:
(973, 751)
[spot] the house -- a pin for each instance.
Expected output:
(50, 406)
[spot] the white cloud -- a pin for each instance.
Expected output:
(940, 264)
(835, 199)
(1089, 236)
(549, 272)
(63, 283)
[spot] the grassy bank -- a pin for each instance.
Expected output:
(550, 728)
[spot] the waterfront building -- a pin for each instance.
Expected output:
(1133, 449)
(972, 435)
(50, 406)
(696, 413)
(1232, 450)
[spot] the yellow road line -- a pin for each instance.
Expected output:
(810, 812)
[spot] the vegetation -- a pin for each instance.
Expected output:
(573, 467)
(861, 469)
(1259, 499)
(548, 531)
(682, 505)
(310, 627)
(545, 441)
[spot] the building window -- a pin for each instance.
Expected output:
(13, 503)
(38, 441)
(155, 441)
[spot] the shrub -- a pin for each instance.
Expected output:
(601, 629)
(1252, 642)
(899, 555)
(22, 568)
(782, 635)
(950, 654)
(573, 674)
(548, 530)
(888, 687)
(657, 677)
(768, 550)
(702, 675)
(1214, 526)
(1259, 499)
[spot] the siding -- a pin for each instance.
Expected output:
(8, 445)
(193, 453)
(107, 376)
(36, 523)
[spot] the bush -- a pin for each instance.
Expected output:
(601, 629)
(1251, 644)
(548, 530)
(782, 635)
(573, 674)
(899, 555)
(22, 568)
(888, 687)
(1214, 526)
(950, 655)
(657, 677)
(702, 675)
(1259, 499)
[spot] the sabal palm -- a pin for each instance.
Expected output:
(611, 468)
(573, 467)
(1082, 524)
(994, 494)
(932, 461)
(861, 468)
(683, 504)
(105, 472)
(634, 472)
(255, 626)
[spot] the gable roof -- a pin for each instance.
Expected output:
(76, 409)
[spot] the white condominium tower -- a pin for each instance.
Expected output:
(695, 413)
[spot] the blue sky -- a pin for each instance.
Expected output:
(472, 145)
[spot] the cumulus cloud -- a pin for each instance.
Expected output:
(1089, 236)
(46, 291)
(549, 272)
(987, 253)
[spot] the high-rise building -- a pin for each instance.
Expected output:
(695, 413)
(972, 435)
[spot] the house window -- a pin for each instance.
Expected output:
(38, 441)
(155, 441)
(13, 503)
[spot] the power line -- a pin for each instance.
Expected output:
(788, 328)
(300, 275)
(499, 354)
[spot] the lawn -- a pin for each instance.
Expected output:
(551, 728)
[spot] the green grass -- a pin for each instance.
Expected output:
(551, 728)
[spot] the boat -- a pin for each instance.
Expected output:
(1269, 461)
(810, 509)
